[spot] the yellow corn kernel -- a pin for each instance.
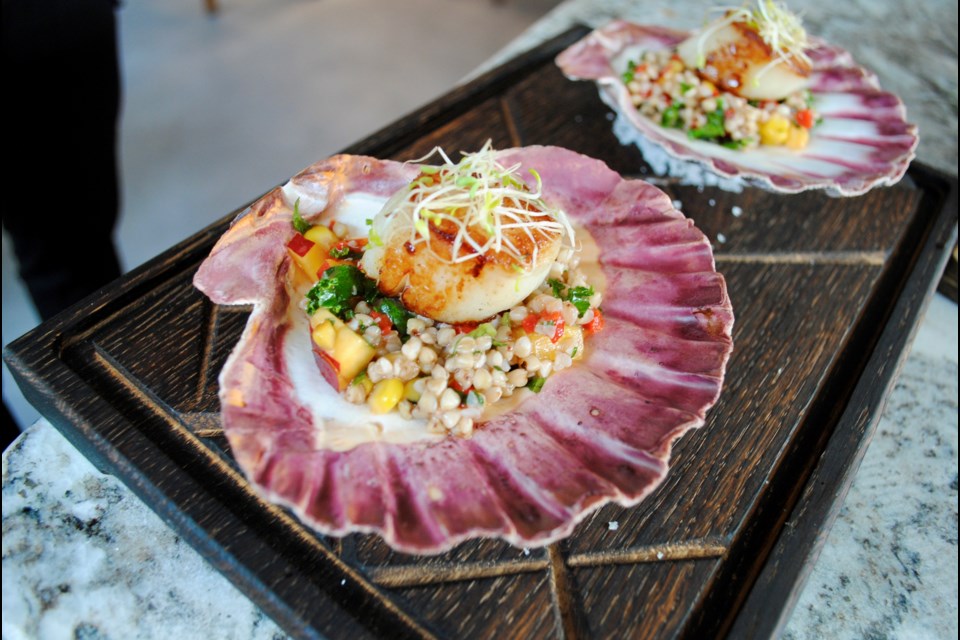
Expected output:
(410, 392)
(385, 395)
(775, 131)
(797, 138)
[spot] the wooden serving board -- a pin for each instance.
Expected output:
(826, 293)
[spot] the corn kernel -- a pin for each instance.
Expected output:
(412, 390)
(797, 138)
(775, 130)
(385, 395)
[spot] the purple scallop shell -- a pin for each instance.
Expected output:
(600, 431)
(863, 141)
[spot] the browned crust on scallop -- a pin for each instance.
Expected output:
(403, 275)
(727, 66)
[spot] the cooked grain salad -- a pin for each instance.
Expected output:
(664, 90)
(447, 374)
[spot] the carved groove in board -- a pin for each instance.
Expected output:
(659, 553)
(510, 122)
(420, 575)
(433, 573)
(571, 620)
(210, 313)
(871, 258)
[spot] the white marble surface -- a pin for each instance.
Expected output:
(84, 558)
(889, 567)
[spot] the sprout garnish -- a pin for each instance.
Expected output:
(482, 200)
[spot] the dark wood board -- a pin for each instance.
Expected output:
(826, 292)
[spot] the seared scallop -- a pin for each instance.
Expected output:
(755, 54)
(464, 242)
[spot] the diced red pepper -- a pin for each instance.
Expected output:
(805, 118)
(383, 320)
(530, 322)
(323, 267)
(300, 245)
(556, 319)
(596, 324)
(453, 384)
(465, 327)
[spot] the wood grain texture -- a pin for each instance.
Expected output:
(826, 292)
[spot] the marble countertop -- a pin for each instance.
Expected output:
(84, 558)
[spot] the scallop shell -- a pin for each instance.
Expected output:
(600, 431)
(863, 141)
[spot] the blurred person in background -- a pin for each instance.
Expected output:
(62, 195)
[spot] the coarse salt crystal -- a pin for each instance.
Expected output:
(613, 525)
(736, 211)
(677, 204)
(659, 555)
(712, 202)
(721, 238)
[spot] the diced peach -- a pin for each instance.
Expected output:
(353, 353)
(325, 336)
(322, 236)
(309, 259)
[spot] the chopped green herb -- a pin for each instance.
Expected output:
(573, 354)
(580, 298)
(536, 383)
(301, 225)
(671, 117)
(338, 286)
(629, 73)
(557, 287)
(713, 129)
(684, 87)
(360, 377)
(735, 144)
(397, 313)
(340, 252)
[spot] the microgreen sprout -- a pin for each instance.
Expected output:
(486, 204)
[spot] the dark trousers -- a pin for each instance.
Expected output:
(62, 102)
(61, 194)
